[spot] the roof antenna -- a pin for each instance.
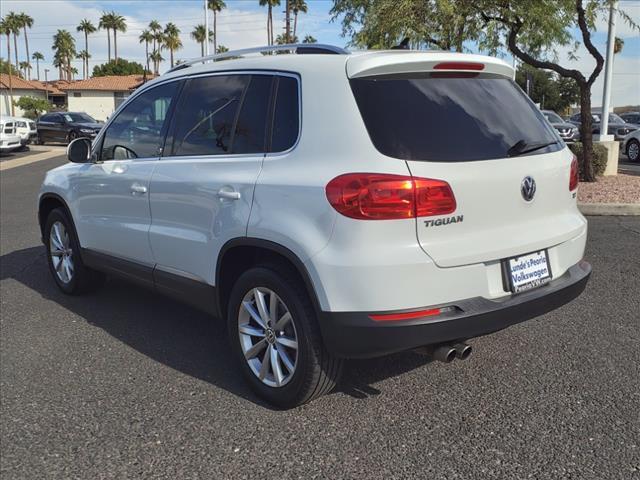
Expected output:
(403, 45)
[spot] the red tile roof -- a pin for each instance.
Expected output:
(22, 84)
(111, 83)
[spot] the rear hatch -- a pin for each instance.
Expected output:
(467, 123)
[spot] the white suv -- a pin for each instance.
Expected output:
(327, 205)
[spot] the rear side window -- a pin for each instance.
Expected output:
(250, 129)
(286, 121)
(449, 118)
(206, 116)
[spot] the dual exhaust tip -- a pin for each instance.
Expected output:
(448, 352)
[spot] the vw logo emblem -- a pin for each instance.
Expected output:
(528, 188)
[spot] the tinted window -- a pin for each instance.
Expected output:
(552, 117)
(286, 115)
(78, 117)
(138, 130)
(445, 118)
(48, 117)
(250, 129)
(204, 122)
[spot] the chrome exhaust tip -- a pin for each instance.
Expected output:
(463, 351)
(444, 353)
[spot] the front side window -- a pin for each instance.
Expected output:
(205, 120)
(78, 117)
(138, 130)
(450, 117)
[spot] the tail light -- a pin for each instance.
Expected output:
(459, 66)
(378, 196)
(573, 176)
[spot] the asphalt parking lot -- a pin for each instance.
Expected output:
(127, 384)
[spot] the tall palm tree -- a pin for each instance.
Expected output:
(26, 22)
(156, 30)
(156, 57)
(13, 22)
(200, 36)
(37, 56)
(84, 56)
(309, 39)
(86, 27)
(25, 67)
(106, 20)
(65, 47)
(146, 37)
(172, 39)
(5, 28)
(270, 4)
(119, 25)
(215, 6)
(297, 6)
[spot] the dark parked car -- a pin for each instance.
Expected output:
(617, 126)
(568, 131)
(66, 126)
(631, 117)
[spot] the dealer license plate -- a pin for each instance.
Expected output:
(528, 271)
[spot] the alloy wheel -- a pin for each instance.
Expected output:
(61, 252)
(268, 337)
(633, 152)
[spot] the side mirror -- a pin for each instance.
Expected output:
(79, 151)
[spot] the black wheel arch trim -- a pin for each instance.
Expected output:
(43, 221)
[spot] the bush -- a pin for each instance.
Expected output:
(32, 106)
(599, 157)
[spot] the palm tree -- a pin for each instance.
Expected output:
(172, 39)
(26, 21)
(106, 20)
(156, 57)
(156, 30)
(222, 49)
(37, 56)
(309, 39)
(119, 25)
(5, 28)
(84, 56)
(13, 22)
(73, 71)
(215, 6)
(270, 4)
(200, 36)
(297, 6)
(65, 47)
(146, 37)
(25, 67)
(86, 27)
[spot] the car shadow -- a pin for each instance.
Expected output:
(177, 335)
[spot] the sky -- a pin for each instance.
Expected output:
(243, 24)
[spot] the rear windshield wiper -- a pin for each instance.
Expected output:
(522, 146)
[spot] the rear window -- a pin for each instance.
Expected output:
(448, 118)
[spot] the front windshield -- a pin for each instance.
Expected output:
(552, 117)
(613, 118)
(78, 117)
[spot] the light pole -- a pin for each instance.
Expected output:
(46, 87)
(608, 73)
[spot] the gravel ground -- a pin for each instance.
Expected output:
(613, 189)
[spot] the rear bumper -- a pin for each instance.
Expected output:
(355, 335)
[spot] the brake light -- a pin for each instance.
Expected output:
(459, 66)
(574, 176)
(379, 196)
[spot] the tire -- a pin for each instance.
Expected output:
(315, 371)
(633, 150)
(72, 136)
(67, 269)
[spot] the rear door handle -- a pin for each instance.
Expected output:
(229, 194)
(137, 188)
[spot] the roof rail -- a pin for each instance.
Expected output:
(298, 48)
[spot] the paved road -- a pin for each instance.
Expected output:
(126, 384)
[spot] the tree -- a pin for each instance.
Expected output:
(535, 29)
(309, 39)
(32, 106)
(25, 67)
(297, 6)
(25, 22)
(14, 25)
(282, 39)
(146, 37)
(270, 4)
(37, 56)
(65, 47)
(119, 25)
(106, 20)
(86, 27)
(120, 68)
(84, 56)
(5, 28)
(222, 49)
(156, 30)
(551, 91)
(157, 58)
(444, 24)
(215, 6)
(199, 35)
(172, 39)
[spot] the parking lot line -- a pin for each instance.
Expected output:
(19, 162)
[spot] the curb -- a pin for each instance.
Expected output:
(610, 208)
